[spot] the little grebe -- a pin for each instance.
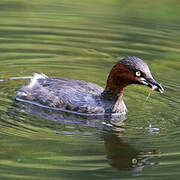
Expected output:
(87, 98)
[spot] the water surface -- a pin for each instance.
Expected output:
(83, 40)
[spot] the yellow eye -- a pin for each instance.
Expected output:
(138, 73)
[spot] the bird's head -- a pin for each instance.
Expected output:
(131, 70)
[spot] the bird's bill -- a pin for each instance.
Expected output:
(153, 84)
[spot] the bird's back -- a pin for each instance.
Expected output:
(67, 94)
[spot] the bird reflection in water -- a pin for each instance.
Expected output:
(124, 156)
(120, 154)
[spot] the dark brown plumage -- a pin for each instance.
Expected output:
(85, 97)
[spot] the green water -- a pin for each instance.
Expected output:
(83, 40)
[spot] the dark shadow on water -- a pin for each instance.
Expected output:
(120, 154)
(123, 156)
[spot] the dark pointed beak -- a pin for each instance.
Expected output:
(154, 85)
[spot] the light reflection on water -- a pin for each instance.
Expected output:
(84, 41)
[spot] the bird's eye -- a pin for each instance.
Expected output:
(138, 73)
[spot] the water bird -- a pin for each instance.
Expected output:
(86, 98)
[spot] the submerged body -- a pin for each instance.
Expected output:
(85, 97)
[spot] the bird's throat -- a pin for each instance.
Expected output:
(113, 102)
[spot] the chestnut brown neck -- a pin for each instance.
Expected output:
(119, 77)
